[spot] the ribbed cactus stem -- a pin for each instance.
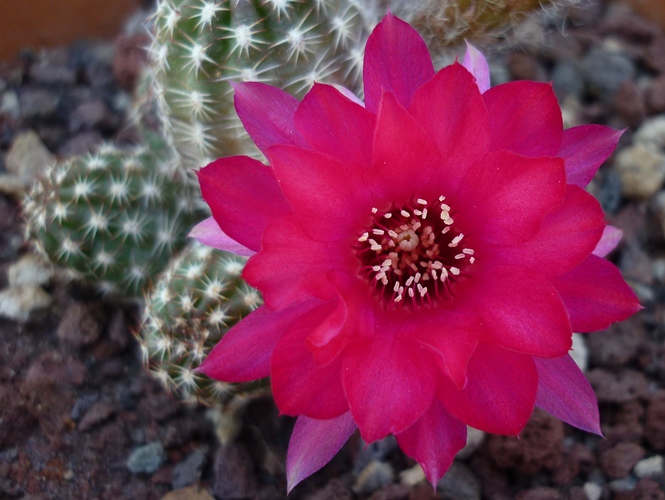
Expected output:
(197, 299)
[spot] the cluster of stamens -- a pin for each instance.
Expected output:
(411, 255)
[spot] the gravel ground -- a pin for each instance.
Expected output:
(79, 419)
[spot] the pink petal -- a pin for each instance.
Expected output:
(564, 391)
(313, 444)
(297, 381)
(327, 195)
(433, 441)
(584, 149)
(210, 234)
(244, 352)
(291, 266)
(335, 125)
(453, 338)
(596, 295)
(525, 118)
(521, 310)
(244, 196)
(389, 383)
(608, 241)
(566, 237)
(475, 62)
(396, 61)
(462, 137)
(404, 156)
(500, 394)
(504, 197)
(329, 339)
(267, 114)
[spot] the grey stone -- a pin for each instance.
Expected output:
(460, 483)
(605, 71)
(147, 458)
(567, 79)
(374, 476)
(189, 470)
(37, 103)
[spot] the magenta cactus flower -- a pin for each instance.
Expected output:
(424, 256)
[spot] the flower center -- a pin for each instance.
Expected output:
(413, 254)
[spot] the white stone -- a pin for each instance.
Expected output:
(593, 491)
(411, 477)
(580, 352)
(649, 467)
(651, 133)
(28, 158)
(374, 476)
(642, 171)
(30, 270)
(19, 303)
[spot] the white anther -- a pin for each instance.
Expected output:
(380, 276)
(364, 237)
(411, 294)
(418, 276)
(417, 212)
(405, 213)
(378, 231)
(420, 201)
(374, 210)
(472, 260)
(445, 208)
(441, 198)
(414, 267)
(387, 263)
(376, 269)
(409, 282)
(445, 230)
(398, 298)
(460, 256)
(468, 251)
(396, 287)
(456, 241)
(434, 274)
(422, 290)
(392, 234)
(375, 246)
(388, 215)
(437, 265)
(448, 221)
(424, 213)
(455, 271)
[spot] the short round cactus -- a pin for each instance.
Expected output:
(202, 45)
(115, 217)
(190, 308)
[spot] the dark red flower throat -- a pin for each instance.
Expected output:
(412, 254)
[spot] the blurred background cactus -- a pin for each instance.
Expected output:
(118, 217)
(199, 296)
(202, 45)
(115, 217)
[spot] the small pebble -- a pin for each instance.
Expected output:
(593, 490)
(189, 470)
(28, 158)
(374, 476)
(580, 352)
(146, 459)
(30, 270)
(412, 476)
(21, 303)
(649, 467)
(642, 171)
(460, 483)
